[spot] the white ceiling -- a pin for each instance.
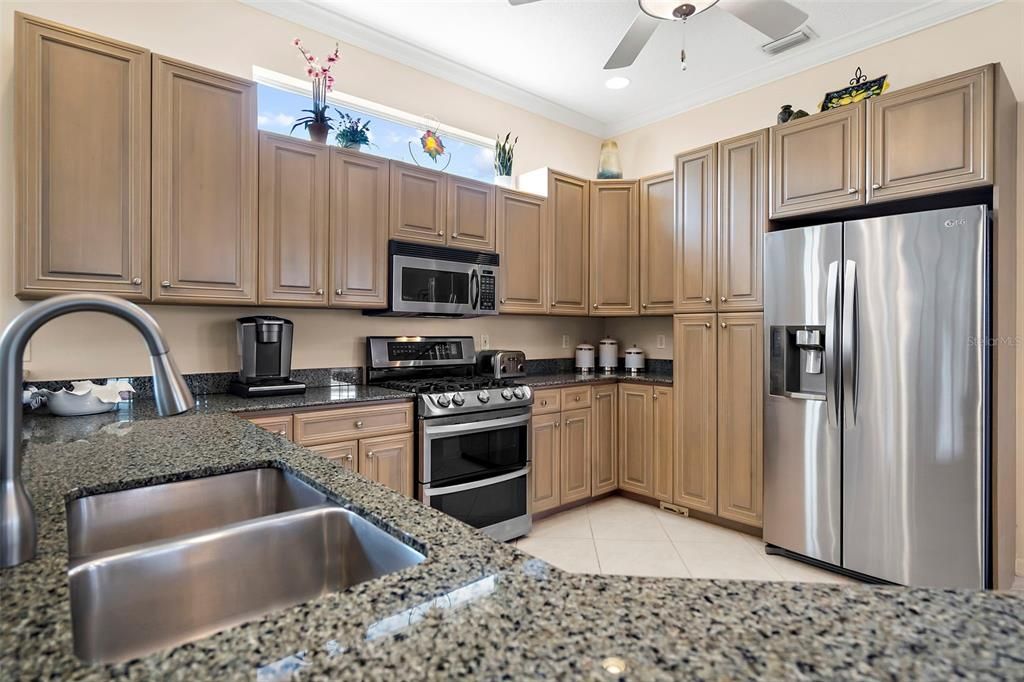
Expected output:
(547, 56)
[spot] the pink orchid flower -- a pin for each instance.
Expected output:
(297, 43)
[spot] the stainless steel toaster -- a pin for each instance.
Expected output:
(501, 363)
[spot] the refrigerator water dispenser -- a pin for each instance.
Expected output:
(797, 362)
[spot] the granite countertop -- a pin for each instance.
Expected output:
(475, 608)
(572, 378)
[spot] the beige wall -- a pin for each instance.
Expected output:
(232, 37)
(989, 35)
(644, 332)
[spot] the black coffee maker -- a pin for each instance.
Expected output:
(265, 356)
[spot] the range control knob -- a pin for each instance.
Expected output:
(506, 394)
(518, 392)
(483, 396)
(458, 400)
(443, 400)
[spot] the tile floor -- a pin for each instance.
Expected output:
(619, 536)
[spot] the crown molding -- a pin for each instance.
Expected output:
(808, 57)
(370, 39)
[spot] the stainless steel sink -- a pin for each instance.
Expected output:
(259, 548)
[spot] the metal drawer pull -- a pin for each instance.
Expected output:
(543, 403)
(573, 421)
(359, 424)
(707, 300)
(137, 281)
(579, 398)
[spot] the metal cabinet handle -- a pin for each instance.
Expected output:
(724, 299)
(319, 292)
(369, 455)
(502, 301)
(282, 432)
(557, 424)
(137, 281)
(165, 284)
(569, 422)
(337, 292)
(543, 403)
(654, 396)
(579, 398)
(852, 190)
(876, 186)
(595, 306)
(644, 306)
(707, 325)
(359, 424)
(440, 233)
(724, 325)
(553, 304)
(707, 300)
(455, 235)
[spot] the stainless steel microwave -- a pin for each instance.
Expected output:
(440, 281)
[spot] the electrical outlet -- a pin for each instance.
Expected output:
(661, 340)
(485, 342)
(565, 340)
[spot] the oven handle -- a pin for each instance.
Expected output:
(474, 427)
(462, 487)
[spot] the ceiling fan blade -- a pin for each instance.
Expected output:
(774, 18)
(520, 2)
(633, 42)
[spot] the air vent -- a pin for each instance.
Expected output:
(784, 43)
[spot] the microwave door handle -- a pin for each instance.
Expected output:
(474, 289)
(462, 487)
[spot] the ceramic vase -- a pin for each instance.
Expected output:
(504, 181)
(609, 166)
(318, 132)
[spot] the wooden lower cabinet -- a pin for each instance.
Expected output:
(388, 460)
(740, 400)
(635, 455)
(662, 437)
(545, 473)
(696, 412)
(604, 460)
(577, 432)
(345, 454)
(280, 424)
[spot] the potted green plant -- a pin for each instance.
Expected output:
(317, 123)
(352, 132)
(504, 151)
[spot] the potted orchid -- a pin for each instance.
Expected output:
(317, 123)
(353, 133)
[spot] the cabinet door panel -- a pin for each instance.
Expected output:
(935, 137)
(204, 185)
(635, 454)
(577, 431)
(359, 230)
(662, 438)
(343, 454)
(696, 229)
(281, 425)
(740, 399)
(614, 248)
(817, 163)
(545, 470)
(741, 218)
(604, 460)
(470, 212)
(523, 247)
(388, 460)
(293, 209)
(83, 160)
(696, 412)
(417, 204)
(657, 250)
(569, 220)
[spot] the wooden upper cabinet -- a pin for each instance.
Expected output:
(604, 461)
(522, 229)
(741, 220)
(740, 401)
(569, 220)
(358, 230)
(204, 185)
(696, 230)
(657, 238)
(636, 465)
(470, 214)
(293, 210)
(545, 472)
(696, 412)
(418, 204)
(577, 435)
(817, 163)
(662, 438)
(614, 247)
(82, 136)
(930, 138)
(388, 460)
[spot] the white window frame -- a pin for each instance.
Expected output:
(302, 86)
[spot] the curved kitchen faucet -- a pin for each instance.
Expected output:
(17, 517)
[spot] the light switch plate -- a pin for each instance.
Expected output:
(485, 342)
(661, 340)
(565, 340)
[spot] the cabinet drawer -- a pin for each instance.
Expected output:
(281, 425)
(334, 426)
(343, 454)
(575, 398)
(547, 401)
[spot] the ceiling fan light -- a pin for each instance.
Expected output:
(673, 10)
(616, 83)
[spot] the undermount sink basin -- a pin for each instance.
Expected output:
(238, 546)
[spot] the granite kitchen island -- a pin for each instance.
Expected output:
(474, 608)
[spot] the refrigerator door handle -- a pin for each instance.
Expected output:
(832, 302)
(849, 350)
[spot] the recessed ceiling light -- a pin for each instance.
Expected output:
(616, 83)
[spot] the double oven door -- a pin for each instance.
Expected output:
(474, 467)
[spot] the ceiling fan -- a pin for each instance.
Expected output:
(775, 18)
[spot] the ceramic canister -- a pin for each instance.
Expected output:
(584, 358)
(635, 360)
(608, 355)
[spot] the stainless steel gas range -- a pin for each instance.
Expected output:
(473, 445)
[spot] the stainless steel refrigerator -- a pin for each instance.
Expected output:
(876, 422)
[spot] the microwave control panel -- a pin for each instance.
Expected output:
(488, 290)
